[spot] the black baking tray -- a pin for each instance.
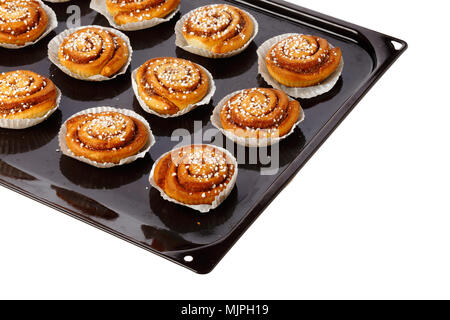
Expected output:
(119, 200)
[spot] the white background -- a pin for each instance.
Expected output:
(367, 217)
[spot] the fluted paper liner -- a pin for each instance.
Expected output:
(181, 42)
(100, 7)
(305, 93)
(51, 25)
(248, 142)
(28, 123)
(66, 151)
(55, 43)
(204, 101)
(204, 208)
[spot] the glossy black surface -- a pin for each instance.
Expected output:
(119, 200)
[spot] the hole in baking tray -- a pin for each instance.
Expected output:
(397, 45)
(188, 258)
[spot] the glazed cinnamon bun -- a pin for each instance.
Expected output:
(105, 137)
(196, 174)
(26, 95)
(169, 85)
(129, 11)
(302, 61)
(93, 51)
(21, 21)
(218, 28)
(260, 113)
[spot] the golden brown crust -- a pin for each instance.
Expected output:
(218, 28)
(21, 21)
(106, 137)
(129, 11)
(302, 61)
(93, 51)
(169, 85)
(26, 95)
(195, 174)
(260, 113)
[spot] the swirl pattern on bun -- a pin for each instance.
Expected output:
(169, 85)
(106, 137)
(218, 28)
(302, 61)
(93, 51)
(130, 11)
(260, 113)
(21, 21)
(195, 174)
(26, 95)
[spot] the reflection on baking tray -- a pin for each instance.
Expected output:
(21, 141)
(10, 172)
(84, 204)
(61, 10)
(185, 220)
(95, 178)
(164, 240)
(89, 91)
(163, 127)
(220, 70)
(309, 103)
(100, 20)
(148, 38)
(27, 56)
(264, 160)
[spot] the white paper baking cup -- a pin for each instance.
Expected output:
(100, 7)
(28, 123)
(55, 43)
(204, 101)
(181, 42)
(51, 25)
(248, 142)
(204, 208)
(66, 151)
(304, 93)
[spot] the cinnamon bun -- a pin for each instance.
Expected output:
(26, 95)
(93, 51)
(105, 137)
(169, 85)
(218, 28)
(260, 113)
(302, 61)
(129, 11)
(196, 174)
(21, 21)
